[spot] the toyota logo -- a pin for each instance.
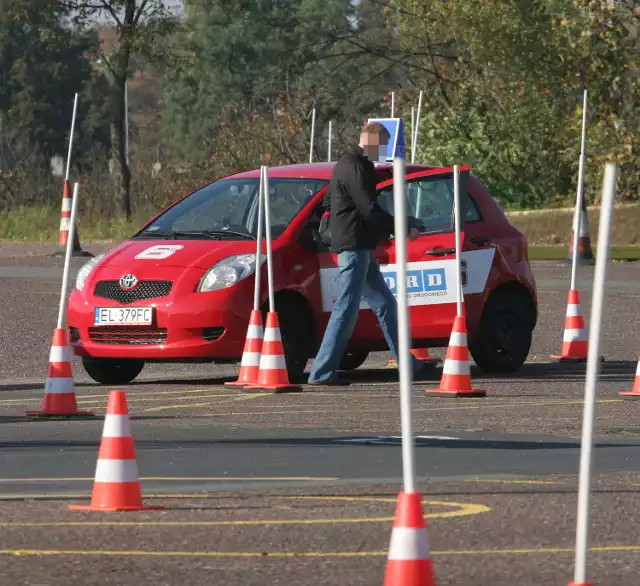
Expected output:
(128, 282)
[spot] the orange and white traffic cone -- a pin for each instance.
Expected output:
(59, 394)
(250, 364)
(585, 253)
(456, 372)
(421, 354)
(65, 224)
(272, 374)
(575, 342)
(409, 562)
(635, 391)
(116, 486)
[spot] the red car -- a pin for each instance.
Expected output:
(181, 289)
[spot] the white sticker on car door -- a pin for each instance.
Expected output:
(428, 282)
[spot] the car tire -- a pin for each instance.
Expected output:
(110, 371)
(353, 360)
(294, 329)
(503, 339)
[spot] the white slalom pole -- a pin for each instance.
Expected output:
(456, 211)
(126, 121)
(593, 372)
(393, 104)
(313, 132)
(414, 148)
(413, 125)
(67, 257)
(73, 126)
(256, 291)
(329, 145)
(404, 350)
(267, 229)
(577, 216)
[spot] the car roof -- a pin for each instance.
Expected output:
(318, 171)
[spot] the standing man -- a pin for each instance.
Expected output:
(357, 224)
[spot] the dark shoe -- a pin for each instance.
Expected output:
(333, 382)
(427, 372)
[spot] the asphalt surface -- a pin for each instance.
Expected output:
(300, 488)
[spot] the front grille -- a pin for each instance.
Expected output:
(128, 335)
(74, 334)
(144, 290)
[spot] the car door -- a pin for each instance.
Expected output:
(431, 257)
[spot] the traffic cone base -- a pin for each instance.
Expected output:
(580, 584)
(470, 394)
(409, 562)
(59, 400)
(635, 391)
(272, 372)
(250, 364)
(116, 485)
(456, 372)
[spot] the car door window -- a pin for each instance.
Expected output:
(429, 200)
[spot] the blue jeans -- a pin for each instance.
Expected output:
(360, 277)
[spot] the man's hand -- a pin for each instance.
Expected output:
(414, 233)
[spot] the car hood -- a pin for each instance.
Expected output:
(174, 253)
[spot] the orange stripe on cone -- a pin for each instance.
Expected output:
(409, 562)
(65, 214)
(116, 486)
(273, 374)
(575, 342)
(635, 391)
(456, 373)
(585, 253)
(59, 393)
(250, 363)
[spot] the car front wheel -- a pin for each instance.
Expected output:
(503, 340)
(112, 371)
(353, 360)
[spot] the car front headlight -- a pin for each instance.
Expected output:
(228, 272)
(84, 271)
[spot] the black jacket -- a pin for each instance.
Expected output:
(356, 222)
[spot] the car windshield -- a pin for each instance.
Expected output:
(229, 209)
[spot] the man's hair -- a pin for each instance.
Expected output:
(375, 133)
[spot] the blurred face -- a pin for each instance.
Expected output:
(374, 146)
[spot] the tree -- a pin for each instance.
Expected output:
(273, 60)
(141, 26)
(42, 65)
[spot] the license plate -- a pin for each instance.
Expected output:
(123, 316)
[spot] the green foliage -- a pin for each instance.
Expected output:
(42, 65)
(270, 59)
(504, 81)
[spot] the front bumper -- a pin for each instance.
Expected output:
(185, 326)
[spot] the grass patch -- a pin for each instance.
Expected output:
(42, 224)
(553, 227)
(562, 252)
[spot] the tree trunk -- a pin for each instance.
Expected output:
(121, 171)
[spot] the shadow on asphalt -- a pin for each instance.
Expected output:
(615, 371)
(336, 442)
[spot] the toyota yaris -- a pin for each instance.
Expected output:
(181, 289)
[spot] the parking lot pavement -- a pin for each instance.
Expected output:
(300, 488)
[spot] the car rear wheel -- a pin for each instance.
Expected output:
(353, 360)
(503, 339)
(111, 371)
